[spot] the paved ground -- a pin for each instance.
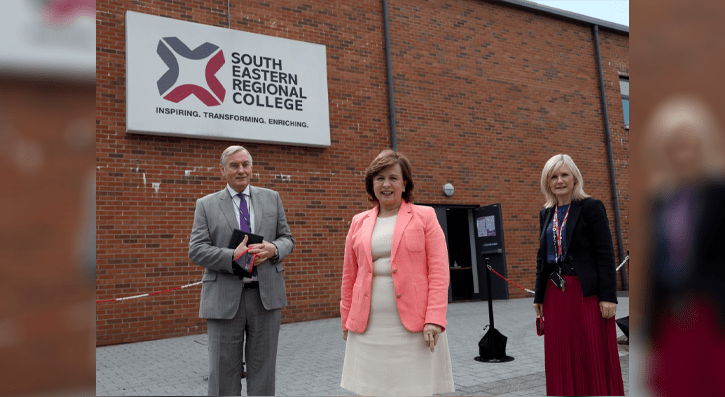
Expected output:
(309, 361)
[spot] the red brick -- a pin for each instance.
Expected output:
(484, 95)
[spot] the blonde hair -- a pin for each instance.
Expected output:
(552, 165)
(231, 150)
(679, 116)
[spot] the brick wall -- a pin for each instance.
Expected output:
(485, 94)
(46, 169)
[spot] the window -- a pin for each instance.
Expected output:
(624, 88)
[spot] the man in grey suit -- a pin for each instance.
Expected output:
(234, 305)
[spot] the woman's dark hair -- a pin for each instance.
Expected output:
(385, 159)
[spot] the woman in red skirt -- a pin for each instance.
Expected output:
(576, 287)
(684, 316)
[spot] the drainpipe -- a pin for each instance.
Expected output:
(391, 102)
(611, 160)
(229, 15)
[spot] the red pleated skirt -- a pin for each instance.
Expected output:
(688, 355)
(580, 347)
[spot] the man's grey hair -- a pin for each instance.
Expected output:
(231, 150)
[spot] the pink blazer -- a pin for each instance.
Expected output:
(419, 266)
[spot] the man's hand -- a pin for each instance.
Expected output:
(264, 251)
(240, 248)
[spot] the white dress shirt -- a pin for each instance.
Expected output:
(237, 201)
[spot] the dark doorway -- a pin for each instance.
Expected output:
(459, 253)
(456, 220)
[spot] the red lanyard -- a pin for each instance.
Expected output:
(251, 264)
(558, 230)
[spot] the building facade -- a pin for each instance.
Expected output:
(47, 173)
(484, 93)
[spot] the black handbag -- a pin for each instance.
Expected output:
(492, 338)
(539, 325)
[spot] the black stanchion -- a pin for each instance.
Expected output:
(623, 323)
(492, 347)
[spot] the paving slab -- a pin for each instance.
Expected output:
(310, 357)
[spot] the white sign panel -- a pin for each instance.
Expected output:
(486, 226)
(188, 79)
(48, 39)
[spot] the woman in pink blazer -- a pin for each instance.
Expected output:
(395, 290)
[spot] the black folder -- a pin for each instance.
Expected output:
(238, 236)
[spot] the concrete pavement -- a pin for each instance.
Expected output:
(310, 357)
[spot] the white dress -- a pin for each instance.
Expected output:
(387, 359)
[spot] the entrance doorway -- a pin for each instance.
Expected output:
(467, 251)
(459, 254)
(457, 224)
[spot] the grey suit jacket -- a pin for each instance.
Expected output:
(214, 220)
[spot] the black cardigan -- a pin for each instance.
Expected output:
(706, 257)
(589, 250)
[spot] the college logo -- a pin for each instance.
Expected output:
(167, 84)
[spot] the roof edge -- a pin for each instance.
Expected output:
(564, 14)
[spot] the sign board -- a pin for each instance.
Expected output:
(486, 226)
(490, 247)
(44, 39)
(193, 80)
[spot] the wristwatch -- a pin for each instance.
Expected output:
(276, 254)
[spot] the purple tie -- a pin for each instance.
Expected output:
(244, 219)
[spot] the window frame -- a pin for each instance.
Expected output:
(624, 78)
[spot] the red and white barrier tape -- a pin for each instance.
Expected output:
(149, 294)
(509, 281)
(530, 291)
(623, 262)
(172, 289)
(199, 282)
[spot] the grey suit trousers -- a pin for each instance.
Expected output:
(226, 343)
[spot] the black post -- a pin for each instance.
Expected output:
(389, 65)
(612, 178)
(495, 336)
(490, 307)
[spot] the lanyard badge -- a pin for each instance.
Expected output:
(556, 277)
(558, 231)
